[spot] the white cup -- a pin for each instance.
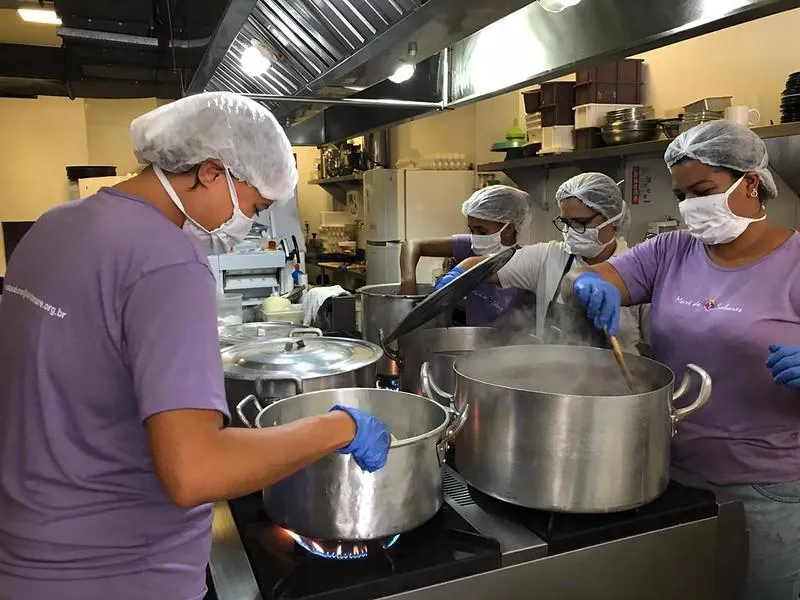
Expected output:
(743, 115)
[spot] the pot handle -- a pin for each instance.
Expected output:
(309, 331)
(392, 353)
(273, 377)
(679, 414)
(433, 391)
(249, 399)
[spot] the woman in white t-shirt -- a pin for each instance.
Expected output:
(592, 218)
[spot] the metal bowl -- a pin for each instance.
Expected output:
(616, 136)
(630, 114)
(670, 127)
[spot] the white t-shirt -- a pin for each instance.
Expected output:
(538, 269)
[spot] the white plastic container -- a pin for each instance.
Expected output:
(593, 115)
(557, 139)
(535, 135)
(294, 314)
(229, 309)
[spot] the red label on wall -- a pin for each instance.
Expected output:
(635, 190)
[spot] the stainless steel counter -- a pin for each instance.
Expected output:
(230, 570)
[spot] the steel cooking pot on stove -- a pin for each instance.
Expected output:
(333, 499)
(441, 346)
(556, 427)
(281, 367)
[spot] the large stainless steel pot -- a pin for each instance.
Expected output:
(382, 309)
(556, 427)
(333, 499)
(282, 367)
(441, 346)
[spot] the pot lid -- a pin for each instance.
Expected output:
(305, 358)
(445, 297)
(247, 332)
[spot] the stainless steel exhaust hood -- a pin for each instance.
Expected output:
(346, 48)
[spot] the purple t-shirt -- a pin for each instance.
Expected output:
(108, 317)
(724, 320)
(487, 302)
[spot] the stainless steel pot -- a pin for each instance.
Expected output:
(230, 335)
(441, 346)
(283, 367)
(556, 428)
(333, 499)
(383, 309)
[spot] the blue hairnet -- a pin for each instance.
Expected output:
(221, 125)
(600, 192)
(499, 204)
(728, 145)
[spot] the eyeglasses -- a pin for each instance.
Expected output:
(577, 225)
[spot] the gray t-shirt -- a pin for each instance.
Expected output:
(108, 317)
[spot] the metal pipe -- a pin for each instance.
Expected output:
(390, 102)
(126, 39)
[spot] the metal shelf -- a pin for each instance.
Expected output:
(610, 152)
(353, 178)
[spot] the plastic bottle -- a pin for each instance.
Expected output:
(297, 275)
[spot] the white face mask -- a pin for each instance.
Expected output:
(223, 238)
(488, 244)
(711, 220)
(588, 244)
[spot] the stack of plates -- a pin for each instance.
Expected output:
(630, 125)
(790, 100)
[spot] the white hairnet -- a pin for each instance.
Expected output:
(224, 126)
(728, 145)
(600, 192)
(499, 204)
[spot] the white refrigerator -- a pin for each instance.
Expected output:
(402, 205)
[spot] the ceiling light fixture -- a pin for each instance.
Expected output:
(39, 15)
(256, 59)
(556, 6)
(402, 73)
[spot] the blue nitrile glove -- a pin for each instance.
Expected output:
(602, 300)
(785, 364)
(448, 277)
(370, 446)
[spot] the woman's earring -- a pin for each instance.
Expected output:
(754, 194)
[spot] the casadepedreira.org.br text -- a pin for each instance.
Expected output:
(53, 311)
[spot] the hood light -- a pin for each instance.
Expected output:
(39, 15)
(256, 59)
(402, 73)
(556, 6)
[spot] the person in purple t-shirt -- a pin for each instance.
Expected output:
(726, 296)
(112, 407)
(495, 216)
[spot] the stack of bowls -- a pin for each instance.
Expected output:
(630, 125)
(790, 100)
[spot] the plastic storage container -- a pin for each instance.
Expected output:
(616, 92)
(588, 138)
(532, 100)
(628, 70)
(229, 309)
(593, 115)
(557, 139)
(558, 92)
(557, 114)
(293, 314)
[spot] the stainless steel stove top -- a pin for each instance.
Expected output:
(690, 544)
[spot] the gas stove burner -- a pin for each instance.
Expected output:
(340, 550)
(386, 382)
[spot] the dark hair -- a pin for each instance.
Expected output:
(735, 175)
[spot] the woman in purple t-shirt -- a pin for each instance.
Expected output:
(495, 216)
(726, 296)
(112, 407)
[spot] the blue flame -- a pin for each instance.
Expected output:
(343, 550)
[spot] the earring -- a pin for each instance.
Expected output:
(754, 194)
